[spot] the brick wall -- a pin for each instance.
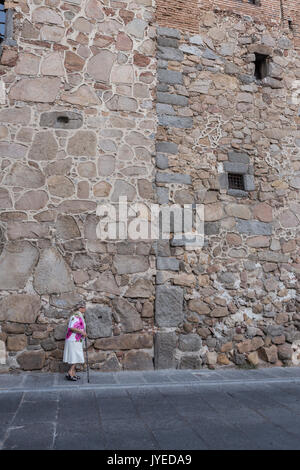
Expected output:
(272, 12)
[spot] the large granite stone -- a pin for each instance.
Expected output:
(123, 342)
(131, 264)
(100, 65)
(189, 343)
(5, 199)
(127, 315)
(52, 274)
(83, 143)
(20, 308)
(12, 150)
(98, 321)
(253, 227)
(164, 350)
(17, 261)
(138, 360)
(61, 120)
(31, 360)
(24, 176)
(168, 306)
(141, 288)
(105, 283)
(38, 90)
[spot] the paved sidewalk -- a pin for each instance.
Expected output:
(160, 410)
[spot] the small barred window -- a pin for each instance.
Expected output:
(236, 181)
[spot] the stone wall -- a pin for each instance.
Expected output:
(239, 293)
(77, 129)
(99, 100)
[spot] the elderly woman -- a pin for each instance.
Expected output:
(73, 352)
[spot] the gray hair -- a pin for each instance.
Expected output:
(80, 304)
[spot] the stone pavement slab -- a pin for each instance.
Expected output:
(163, 410)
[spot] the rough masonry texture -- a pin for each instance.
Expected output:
(159, 103)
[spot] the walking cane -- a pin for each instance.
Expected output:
(87, 361)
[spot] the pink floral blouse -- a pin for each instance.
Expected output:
(76, 321)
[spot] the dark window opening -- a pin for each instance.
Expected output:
(290, 22)
(63, 119)
(2, 21)
(236, 181)
(261, 66)
(255, 2)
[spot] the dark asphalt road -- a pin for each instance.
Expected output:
(164, 410)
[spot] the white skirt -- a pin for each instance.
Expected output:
(73, 352)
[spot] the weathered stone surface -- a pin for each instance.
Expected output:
(52, 33)
(60, 186)
(173, 178)
(174, 121)
(83, 143)
(5, 199)
(253, 227)
(73, 62)
(31, 360)
(77, 206)
(83, 96)
(102, 189)
(127, 315)
(2, 352)
(192, 361)
(52, 274)
(65, 301)
(24, 176)
(263, 212)
(141, 288)
(122, 74)
(213, 212)
(66, 227)
(123, 342)
(39, 90)
(98, 321)
(100, 65)
(285, 351)
(61, 120)
(164, 350)
(17, 230)
(16, 342)
(167, 264)
(190, 342)
(219, 312)
(169, 32)
(17, 261)
(268, 354)
(19, 308)
(170, 77)
(199, 306)
(32, 200)
(111, 364)
(12, 150)
(19, 115)
(60, 331)
(105, 282)
(167, 147)
(131, 264)
(138, 360)
(168, 306)
(28, 64)
(238, 210)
